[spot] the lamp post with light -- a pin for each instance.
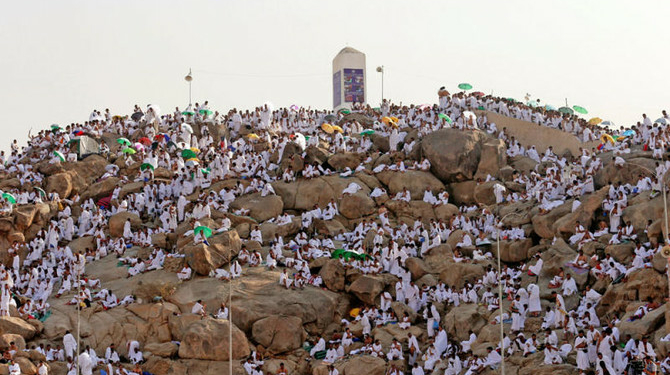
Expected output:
(380, 69)
(188, 79)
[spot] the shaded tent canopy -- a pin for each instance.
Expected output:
(84, 146)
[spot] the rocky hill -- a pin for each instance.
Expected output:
(275, 321)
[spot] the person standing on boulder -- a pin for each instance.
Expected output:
(70, 344)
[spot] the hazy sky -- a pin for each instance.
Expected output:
(61, 59)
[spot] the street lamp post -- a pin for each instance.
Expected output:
(230, 313)
(500, 291)
(380, 69)
(188, 79)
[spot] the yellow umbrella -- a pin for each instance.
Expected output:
(386, 120)
(327, 128)
(253, 136)
(606, 138)
(354, 312)
(192, 159)
(595, 121)
(195, 150)
(337, 129)
(395, 119)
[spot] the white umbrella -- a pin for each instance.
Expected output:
(608, 123)
(661, 121)
(111, 167)
(191, 163)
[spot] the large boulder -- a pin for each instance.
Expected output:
(164, 349)
(357, 205)
(454, 155)
(279, 334)
(626, 174)
(17, 326)
(209, 339)
(305, 193)
(24, 216)
(260, 208)
(457, 274)
(484, 193)
(584, 213)
(462, 192)
(62, 183)
(363, 365)
(117, 222)
(417, 267)
(204, 259)
(493, 158)
(415, 181)
(544, 225)
(638, 328)
(333, 274)
(101, 189)
(463, 318)
(367, 288)
(342, 160)
(515, 251)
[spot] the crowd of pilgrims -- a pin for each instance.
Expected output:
(51, 269)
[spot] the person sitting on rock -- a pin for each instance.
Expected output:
(198, 308)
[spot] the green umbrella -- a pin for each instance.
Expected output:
(205, 170)
(549, 107)
(144, 166)
(60, 155)
(345, 111)
(41, 191)
(123, 141)
(55, 127)
(207, 232)
(511, 100)
(567, 110)
(188, 154)
(377, 109)
(532, 103)
(447, 118)
(9, 198)
(188, 113)
(579, 109)
(367, 132)
(205, 112)
(129, 151)
(465, 86)
(481, 108)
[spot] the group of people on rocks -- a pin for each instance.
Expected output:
(200, 147)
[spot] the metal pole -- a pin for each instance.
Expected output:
(665, 213)
(382, 84)
(500, 297)
(78, 318)
(230, 314)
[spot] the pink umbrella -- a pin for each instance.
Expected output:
(294, 107)
(138, 146)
